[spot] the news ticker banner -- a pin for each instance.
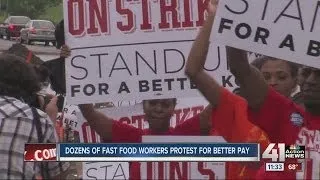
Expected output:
(217, 152)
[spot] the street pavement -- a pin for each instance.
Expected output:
(38, 48)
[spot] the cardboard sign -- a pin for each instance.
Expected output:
(105, 170)
(135, 50)
(285, 29)
(183, 170)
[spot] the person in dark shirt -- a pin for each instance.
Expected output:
(57, 66)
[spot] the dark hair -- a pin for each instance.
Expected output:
(17, 78)
(59, 34)
(23, 52)
(259, 62)
(42, 72)
(57, 74)
(174, 100)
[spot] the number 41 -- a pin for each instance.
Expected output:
(272, 153)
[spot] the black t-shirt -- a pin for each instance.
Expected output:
(57, 74)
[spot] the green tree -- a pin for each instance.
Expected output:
(30, 8)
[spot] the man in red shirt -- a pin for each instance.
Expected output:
(229, 117)
(283, 120)
(158, 112)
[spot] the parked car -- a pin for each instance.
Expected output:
(12, 25)
(38, 30)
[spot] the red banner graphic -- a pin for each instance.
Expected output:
(40, 152)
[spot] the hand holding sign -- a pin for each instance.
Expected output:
(212, 7)
(65, 51)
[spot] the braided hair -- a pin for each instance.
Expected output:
(17, 78)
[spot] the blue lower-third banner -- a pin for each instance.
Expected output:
(159, 152)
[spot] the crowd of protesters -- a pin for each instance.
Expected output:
(260, 111)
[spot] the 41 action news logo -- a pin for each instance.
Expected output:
(279, 152)
(295, 152)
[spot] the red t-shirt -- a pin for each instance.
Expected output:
(230, 120)
(286, 122)
(124, 133)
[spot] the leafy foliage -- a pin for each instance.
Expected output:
(53, 14)
(30, 8)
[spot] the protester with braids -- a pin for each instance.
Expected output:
(21, 123)
(22, 88)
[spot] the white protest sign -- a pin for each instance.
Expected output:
(286, 29)
(133, 50)
(69, 116)
(105, 170)
(92, 170)
(183, 170)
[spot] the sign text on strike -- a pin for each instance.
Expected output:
(91, 17)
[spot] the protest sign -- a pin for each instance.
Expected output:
(135, 50)
(183, 170)
(105, 170)
(285, 29)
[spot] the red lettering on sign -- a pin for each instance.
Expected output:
(182, 173)
(151, 170)
(181, 115)
(146, 25)
(197, 109)
(98, 15)
(139, 119)
(76, 20)
(202, 170)
(129, 26)
(93, 17)
(202, 9)
(187, 15)
(172, 10)
(88, 133)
